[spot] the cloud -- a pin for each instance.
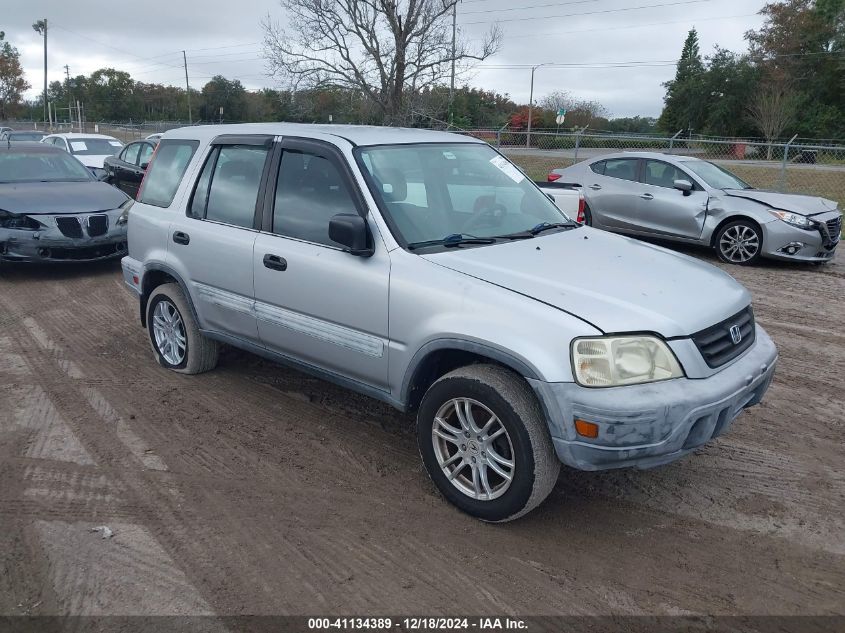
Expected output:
(224, 38)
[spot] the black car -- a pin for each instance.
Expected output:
(126, 170)
(17, 136)
(53, 209)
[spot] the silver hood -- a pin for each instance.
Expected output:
(796, 203)
(615, 283)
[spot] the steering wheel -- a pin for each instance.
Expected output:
(486, 214)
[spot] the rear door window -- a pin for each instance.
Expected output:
(130, 154)
(166, 171)
(599, 167)
(622, 168)
(227, 190)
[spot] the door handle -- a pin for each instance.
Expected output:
(647, 196)
(595, 187)
(274, 262)
(181, 238)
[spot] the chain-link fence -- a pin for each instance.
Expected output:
(798, 166)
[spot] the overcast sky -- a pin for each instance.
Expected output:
(146, 40)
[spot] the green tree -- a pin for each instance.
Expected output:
(12, 81)
(228, 94)
(685, 106)
(801, 45)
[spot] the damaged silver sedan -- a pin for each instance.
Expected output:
(52, 209)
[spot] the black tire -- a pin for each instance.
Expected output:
(732, 230)
(510, 399)
(200, 353)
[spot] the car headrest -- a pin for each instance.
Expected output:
(394, 186)
(238, 169)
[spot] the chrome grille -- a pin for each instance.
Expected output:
(69, 226)
(97, 225)
(834, 229)
(716, 343)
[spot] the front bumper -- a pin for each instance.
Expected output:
(785, 242)
(653, 424)
(49, 244)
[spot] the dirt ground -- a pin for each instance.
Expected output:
(254, 489)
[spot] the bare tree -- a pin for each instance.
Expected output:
(557, 100)
(390, 50)
(772, 109)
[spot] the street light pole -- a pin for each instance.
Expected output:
(531, 103)
(40, 27)
(454, 36)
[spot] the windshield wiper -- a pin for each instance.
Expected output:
(543, 226)
(455, 239)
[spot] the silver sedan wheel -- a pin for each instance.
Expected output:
(473, 448)
(169, 332)
(739, 243)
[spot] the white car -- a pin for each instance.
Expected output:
(90, 149)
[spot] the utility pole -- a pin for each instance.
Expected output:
(531, 103)
(187, 87)
(454, 37)
(41, 27)
(69, 97)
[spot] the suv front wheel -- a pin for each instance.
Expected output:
(176, 340)
(485, 443)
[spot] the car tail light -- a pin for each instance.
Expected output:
(552, 177)
(582, 205)
(147, 172)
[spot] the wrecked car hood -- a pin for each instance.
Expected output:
(616, 283)
(37, 198)
(794, 202)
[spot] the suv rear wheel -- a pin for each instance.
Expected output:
(174, 335)
(485, 443)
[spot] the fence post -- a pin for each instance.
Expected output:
(578, 142)
(783, 163)
(672, 140)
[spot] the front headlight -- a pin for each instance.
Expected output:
(17, 221)
(623, 360)
(792, 218)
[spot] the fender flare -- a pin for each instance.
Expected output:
(144, 297)
(520, 366)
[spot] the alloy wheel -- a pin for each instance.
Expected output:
(739, 243)
(169, 332)
(476, 457)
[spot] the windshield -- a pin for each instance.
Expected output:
(716, 177)
(94, 146)
(25, 136)
(41, 166)
(433, 191)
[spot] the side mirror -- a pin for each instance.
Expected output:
(144, 166)
(101, 174)
(350, 230)
(683, 185)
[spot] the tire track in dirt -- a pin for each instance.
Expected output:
(288, 495)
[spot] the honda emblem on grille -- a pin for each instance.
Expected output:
(736, 334)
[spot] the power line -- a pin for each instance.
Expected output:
(109, 45)
(535, 6)
(629, 26)
(600, 12)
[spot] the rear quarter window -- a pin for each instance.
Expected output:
(166, 171)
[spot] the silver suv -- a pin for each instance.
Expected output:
(425, 270)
